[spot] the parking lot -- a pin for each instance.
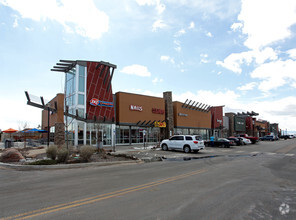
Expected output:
(150, 154)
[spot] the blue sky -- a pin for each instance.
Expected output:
(241, 54)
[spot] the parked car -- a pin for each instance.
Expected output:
(236, 140)
(252, 139)
(187, 143)
(267, 138)
(220, 142)
(245, 140)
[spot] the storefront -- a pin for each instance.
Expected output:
(139, 118)
(89, 106)
(189, 119)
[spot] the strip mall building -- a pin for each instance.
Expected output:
(90, 108)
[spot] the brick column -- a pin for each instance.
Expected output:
(169, 114)
(59, 134)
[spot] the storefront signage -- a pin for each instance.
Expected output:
(96, 102)
(219, 121)
(157, 111)
(182, 114)
(136, 108)
(158, 124)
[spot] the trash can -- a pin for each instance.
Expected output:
(8, 143)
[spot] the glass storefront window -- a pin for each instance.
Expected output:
(136, 134)
(122, 134)
(153, 135)
(96, 130)
(80, 132)
(80, 99)
(81, 83)
(81, 112)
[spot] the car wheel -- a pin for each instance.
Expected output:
(187, 149)
(164, 147)
(222, 145)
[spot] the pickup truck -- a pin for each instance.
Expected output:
(252, 139)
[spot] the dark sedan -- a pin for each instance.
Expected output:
(223, 142)
(236, 140)
(267, 138)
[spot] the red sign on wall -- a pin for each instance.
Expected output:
(157, 111)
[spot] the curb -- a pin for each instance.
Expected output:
(65, 166)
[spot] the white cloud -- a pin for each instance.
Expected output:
(145, 2)
(137, 70)
(275, 74)
(292, 53)
(180, 33)
(236, 26)
(218, 8)
(191, 25)
(91, 23)
(234, 61)
(247, 87)
(167, 59)
(15, 23)
(178, 47)
(29, 29)
(266, 22)
(158, 24)
(11, 117)
(204, 58)
(157, 80)
(209, 34)
(160, 7)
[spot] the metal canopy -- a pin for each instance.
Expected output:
(64, 66)
(67, 65)
(197, 106)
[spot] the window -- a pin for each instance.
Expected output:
(80, 99)
(180, 138)
(188, 138)
(177, 138)
(81, 112)
(81, 86)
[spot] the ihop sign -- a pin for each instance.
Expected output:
(96, 102)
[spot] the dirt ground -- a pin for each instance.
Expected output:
(40, 154)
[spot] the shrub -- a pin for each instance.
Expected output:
(51, 152)
(11, 155)
(102, 152)
(86, 152)
(62, 155)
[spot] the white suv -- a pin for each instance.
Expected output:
(187, 143)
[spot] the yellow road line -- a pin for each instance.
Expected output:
(286, 149)
(99, 197)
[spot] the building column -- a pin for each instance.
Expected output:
(169, 114)
(113, 135)
(75, 133)
(59, 134)
(84, 133)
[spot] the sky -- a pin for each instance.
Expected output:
(241, 54)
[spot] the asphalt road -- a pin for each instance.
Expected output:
(244, 182)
